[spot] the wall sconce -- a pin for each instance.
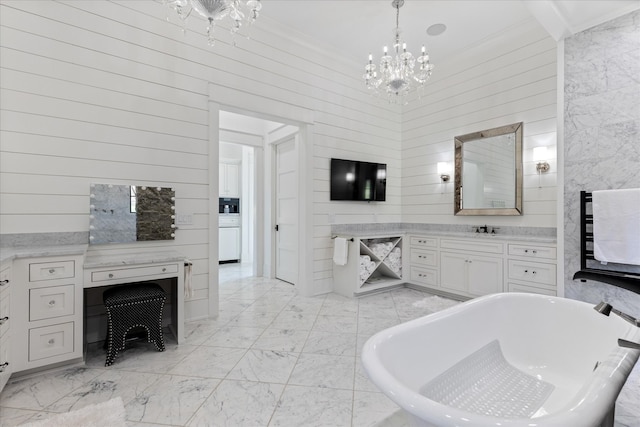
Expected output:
(540, 157)
(443, 171)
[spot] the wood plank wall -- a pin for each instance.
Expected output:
(109, 92)
(502, 81)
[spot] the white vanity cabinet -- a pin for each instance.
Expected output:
(481, 265)
(48, 327)
(467, 269)
(532, 268)
(6, 320)
(373, 263)
(423, 255)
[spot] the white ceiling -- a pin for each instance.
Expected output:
(352, 29)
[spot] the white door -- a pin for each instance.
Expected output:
(287, 211)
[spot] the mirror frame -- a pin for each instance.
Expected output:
(458, 208)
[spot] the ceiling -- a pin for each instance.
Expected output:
(353, 29)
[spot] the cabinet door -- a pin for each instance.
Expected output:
(453, 271)
(233, 179)
(484, 275)
(222, 179)
(229, 244)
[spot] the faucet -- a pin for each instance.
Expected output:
(607, 309)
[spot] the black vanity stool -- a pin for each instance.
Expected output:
(138, 305)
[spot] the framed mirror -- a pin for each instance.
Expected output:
(129, 213)
(488, 172)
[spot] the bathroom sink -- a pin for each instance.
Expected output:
(509, 359)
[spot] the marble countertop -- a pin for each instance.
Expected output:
(135, 258)
(455, 235)
(8, 254)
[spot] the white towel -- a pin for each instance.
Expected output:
(616, 226)
(340, 251)
(188, 272)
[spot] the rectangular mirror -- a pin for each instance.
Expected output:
(488, 172)
(128, 213)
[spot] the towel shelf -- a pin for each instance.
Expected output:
(590, 268)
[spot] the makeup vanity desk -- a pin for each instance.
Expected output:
(123, 268)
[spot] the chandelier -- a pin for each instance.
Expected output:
(399, 73)
(216, 10)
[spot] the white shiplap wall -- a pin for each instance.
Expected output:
(504, 80)
(102, 91)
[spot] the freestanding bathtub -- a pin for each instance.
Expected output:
(505, 360)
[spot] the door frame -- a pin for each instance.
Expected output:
(228, 99)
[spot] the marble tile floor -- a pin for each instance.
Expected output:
(272, 358)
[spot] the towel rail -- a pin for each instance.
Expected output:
(590, 268)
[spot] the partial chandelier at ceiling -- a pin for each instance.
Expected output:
(237, 11)
(398, 74)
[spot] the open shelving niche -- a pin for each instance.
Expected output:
(386, 255)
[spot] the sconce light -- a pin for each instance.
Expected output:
(443, 171)
(540, 157)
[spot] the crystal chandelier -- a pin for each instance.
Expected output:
(216, 10)
(399, 74)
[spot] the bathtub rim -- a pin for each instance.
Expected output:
(592, 402)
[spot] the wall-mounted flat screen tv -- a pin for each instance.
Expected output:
(354, 180)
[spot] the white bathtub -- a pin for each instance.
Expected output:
(550, 346)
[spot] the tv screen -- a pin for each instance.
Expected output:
(353, 180)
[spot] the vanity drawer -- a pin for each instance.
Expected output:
(532, 251)
(132, 273)
(5, 312)
(51, 270)
(427, 258)
(476, 245)
(54, 301)
(424, 242)
(424, 276)
(532, 272)
(50, 341)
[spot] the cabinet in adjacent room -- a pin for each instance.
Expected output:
(229, 244)
(229, 178)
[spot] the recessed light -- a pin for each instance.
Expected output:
(436, 29)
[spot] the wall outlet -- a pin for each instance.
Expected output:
(184, 219)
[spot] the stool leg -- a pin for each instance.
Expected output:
(155, 331)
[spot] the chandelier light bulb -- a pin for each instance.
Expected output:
(399, 75)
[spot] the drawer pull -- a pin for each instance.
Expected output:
(52, 303)
(164, 269)
(51, 341)
(3, 320)
(52, 270)
(4, 365)
(4, 282)
(110, 275)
